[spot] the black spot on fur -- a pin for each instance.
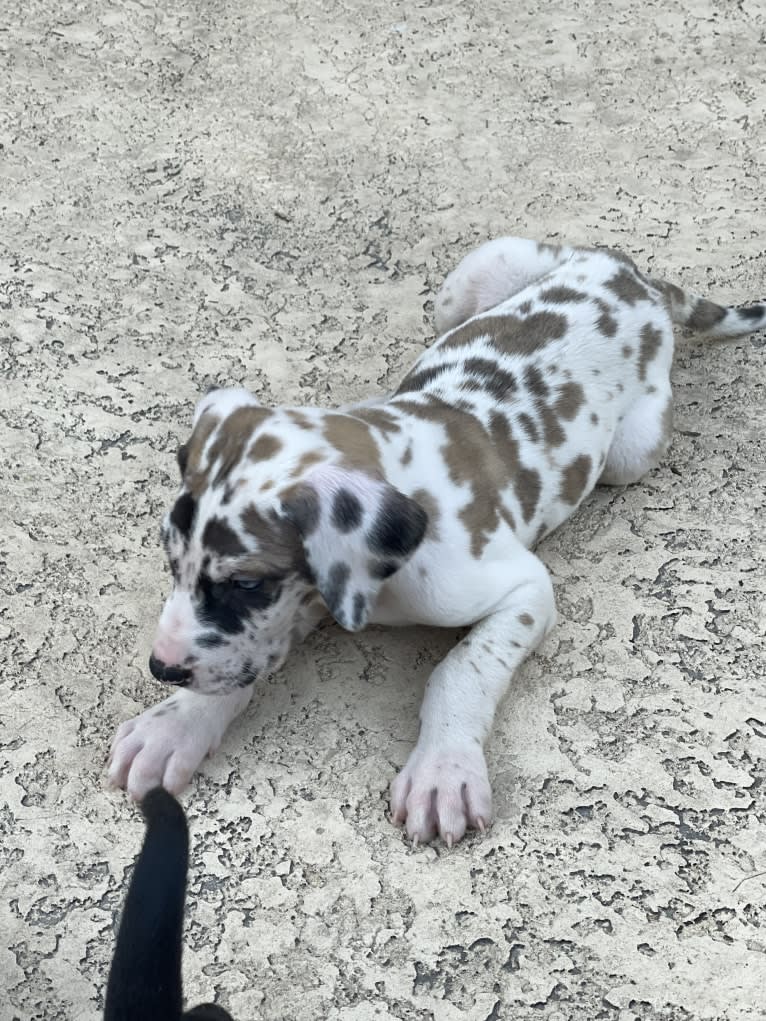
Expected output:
(346, 511)
(399, 527)
(334, 588)
(182, 456)
(382, 569)
(302, 509)
(182, 514)
(752, 311)
(358, 612)
(210, 640)
(225, 607)
(222, 539)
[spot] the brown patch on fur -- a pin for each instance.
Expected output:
(380, 419)
(301, 507)
(430, 505)
(308, 460)
(406, 457)
(354, 440)
(226, 450)
(526, 619)
(553, 434)
(490, 377)
(487, 463)
(526, 481)
(420, 379)
(279, 545)
(674, 297)
(651, 340)
(265, 447)
(561, 295)
(705, 315)
(298, 418)
(535, 382)
(566, 405)
(627, 287)
(574, 479)
(509, 334)
(194, 475)
(569, 401)
(606, 322)
(593, 418)
(527, 423)
(525, 308)
(234, 433)
(627, 350)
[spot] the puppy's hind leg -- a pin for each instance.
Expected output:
(491, 274)
(641, 439)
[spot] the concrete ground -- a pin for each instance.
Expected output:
(269, 193)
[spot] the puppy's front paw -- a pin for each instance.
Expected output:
(442, 790)
(161, 748)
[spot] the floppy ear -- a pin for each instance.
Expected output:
(356, 532)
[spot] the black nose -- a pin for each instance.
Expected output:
(169, 674)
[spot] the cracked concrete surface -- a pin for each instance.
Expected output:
(269, 194)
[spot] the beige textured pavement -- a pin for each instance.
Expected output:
(269, 193)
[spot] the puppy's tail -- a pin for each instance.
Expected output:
(145, 977)
(703, 316)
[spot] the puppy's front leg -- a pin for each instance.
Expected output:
(165, 744)
(444, 786)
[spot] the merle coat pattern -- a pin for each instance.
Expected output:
(551, 374)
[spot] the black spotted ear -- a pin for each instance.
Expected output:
(182, 456)
(356, 531)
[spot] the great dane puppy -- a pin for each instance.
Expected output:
(551, 374)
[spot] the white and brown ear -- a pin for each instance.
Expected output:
(356, 532)
(222, 401)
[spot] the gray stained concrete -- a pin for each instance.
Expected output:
(269, 194)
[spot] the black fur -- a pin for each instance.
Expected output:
(346, 511)
(752, 311)
(182, 514)
(399, 527)
(334, 588)
(226, 607)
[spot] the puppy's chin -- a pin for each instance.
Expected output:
(215, 688)
(212, 683)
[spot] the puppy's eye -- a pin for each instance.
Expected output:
(248, 584)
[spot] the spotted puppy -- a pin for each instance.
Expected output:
(551, 375)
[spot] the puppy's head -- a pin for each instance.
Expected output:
(269, 526)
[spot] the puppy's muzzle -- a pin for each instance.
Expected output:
(177, 675)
